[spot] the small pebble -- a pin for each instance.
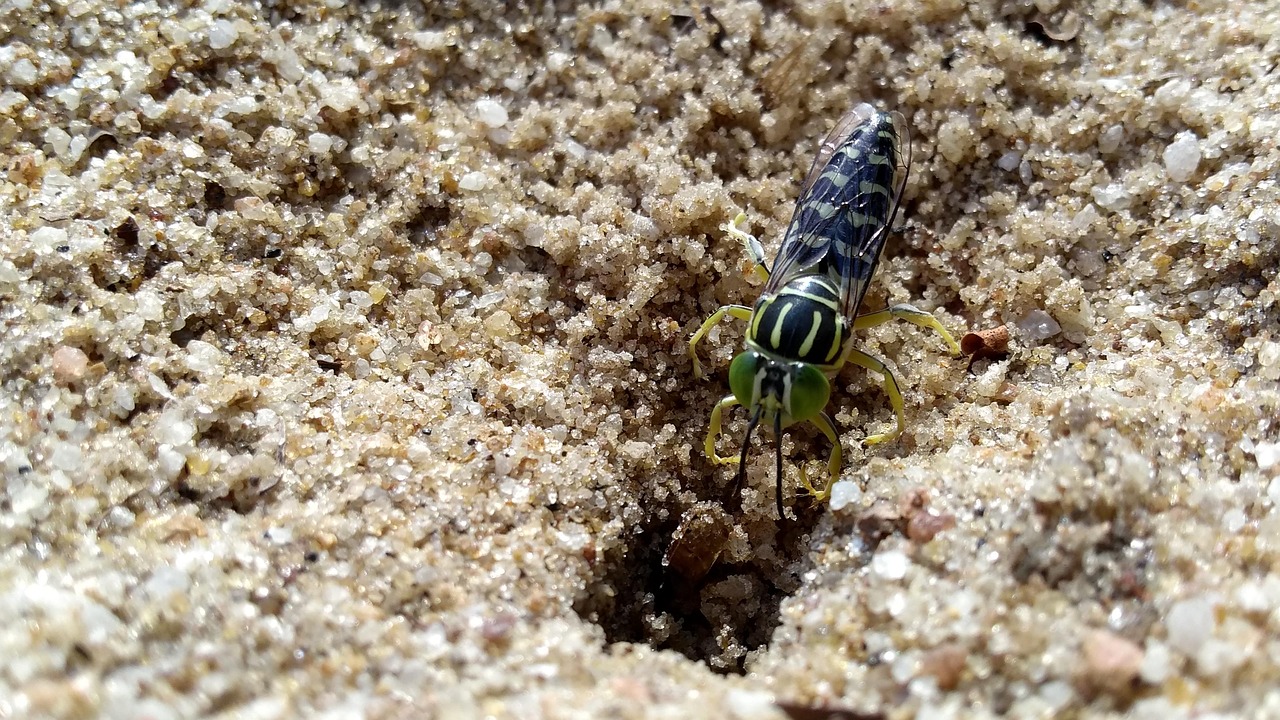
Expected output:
(924, 526)
(1267, 454)
(474, 181)
(845, 493)
(491, 113)
(1083, 221)
(222, 34)
(173, 429)
(890, 564)
(1038, 325)
(1190, 624)
(46, 240)
(1182, 157)
(430, 40)
(69, 364)
(23, 72)
(1057, 694)
(1156, 664)
(343, 95)
(1114, 197)
(1111, 662)
(319, 143)
(945, 664)
(1111, 138)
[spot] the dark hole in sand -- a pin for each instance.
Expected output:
(649, 592)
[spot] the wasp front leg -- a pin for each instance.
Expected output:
(713, 431)
(828, 427)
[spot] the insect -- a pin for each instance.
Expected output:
(799, 334)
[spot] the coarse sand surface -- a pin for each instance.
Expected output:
(344, 367)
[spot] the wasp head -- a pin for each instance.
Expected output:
(778, 392)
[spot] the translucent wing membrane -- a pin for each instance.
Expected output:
(844, 129)
(847, 204)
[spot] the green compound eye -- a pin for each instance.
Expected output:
(742, 377)
(809, 392)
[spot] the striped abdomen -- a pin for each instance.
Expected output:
(801, 323)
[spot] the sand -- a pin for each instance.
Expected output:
(345, 366)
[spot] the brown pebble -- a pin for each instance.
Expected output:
(537, 602)
(1111, 662)
(878, 522)
(913, 501)
(990, 343)
(945, 664)
(25, 170)
(924, 526)
(69, 364)
(1007, 393)
(698, 541)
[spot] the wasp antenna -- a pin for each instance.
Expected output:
(746, 446)
(777, 440)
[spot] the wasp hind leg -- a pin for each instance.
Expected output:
(755, 251)
(911, 314)
(828, 427)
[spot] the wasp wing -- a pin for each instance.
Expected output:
(803, 246)
(859, 116)
(856, 255)
(847, 204)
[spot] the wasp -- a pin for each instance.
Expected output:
(800, 331)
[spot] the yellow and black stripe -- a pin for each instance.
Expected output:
(801, 323)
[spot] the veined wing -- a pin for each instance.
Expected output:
(847, 204)
(871, 212)
(846, 126)
(802, 247)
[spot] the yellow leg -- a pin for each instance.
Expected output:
(713, 431)
(911, 314)
(828, 428)
(861, 359)
(754, 250)
(741, 312)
